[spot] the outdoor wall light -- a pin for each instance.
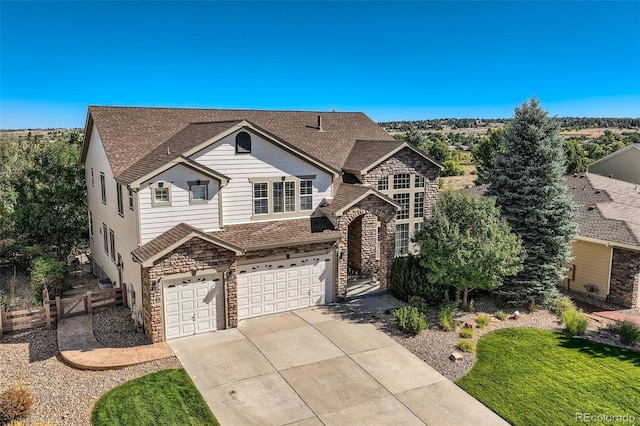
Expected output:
(229, 273)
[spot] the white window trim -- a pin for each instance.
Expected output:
(253, 198)
(399, 248)
(305, 196)
(158, 185)
(103, 188)
(284, 183)
(105, 238)
(93, 183)
(120, 200)
(192, 184)
(90, 225)
(112, 245)
(130, 199)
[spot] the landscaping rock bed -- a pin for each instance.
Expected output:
(62, 394)
(435, 346)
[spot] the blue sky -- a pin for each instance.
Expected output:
(391, 60)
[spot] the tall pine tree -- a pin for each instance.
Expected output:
(529, 186)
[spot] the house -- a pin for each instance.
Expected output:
(213, 216)
(623, 164)
(605, 265)
(606, 253)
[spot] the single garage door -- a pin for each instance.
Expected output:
(270, 287)
(193, 305)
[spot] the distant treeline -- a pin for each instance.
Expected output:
(567, 123)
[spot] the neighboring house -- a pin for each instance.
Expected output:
(213, 216)
(606, 264)
(606, 252)
(623, 164)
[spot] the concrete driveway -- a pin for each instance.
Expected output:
(311, 367)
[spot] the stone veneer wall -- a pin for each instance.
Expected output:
(363, 235)
(625, 278)
(195, 253)
(407, 161)
(354, 235)
(385, 213)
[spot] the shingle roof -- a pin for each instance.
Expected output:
(131, 134)
(278, 233)
(191, 135)
(364, 153)
(601, 216)
(171, 237)
(607, 209)
(347, 194)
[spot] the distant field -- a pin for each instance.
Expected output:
(459, 182)
(590, 133)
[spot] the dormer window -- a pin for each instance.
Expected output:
(160, 194)
(243, 143)
(198, 191)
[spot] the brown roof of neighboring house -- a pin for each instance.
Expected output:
(277, 233)
(131, 134)
(607, 209)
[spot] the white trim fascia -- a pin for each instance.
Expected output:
(608, 243)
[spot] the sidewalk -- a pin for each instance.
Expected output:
(79, 347)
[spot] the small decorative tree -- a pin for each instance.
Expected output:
(466, 244)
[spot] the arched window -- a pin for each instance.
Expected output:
(243, 142)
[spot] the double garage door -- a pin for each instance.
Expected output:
(196, 305)
(193, 305)
(270, 287)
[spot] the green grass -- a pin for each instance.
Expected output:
(538, 377)
(167, 397)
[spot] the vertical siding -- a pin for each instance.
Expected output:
(592, 263)
(156, 220)
(265, 160)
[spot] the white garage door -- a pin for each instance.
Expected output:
(193, 305)
(270, 287)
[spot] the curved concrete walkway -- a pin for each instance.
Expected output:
(78, 346)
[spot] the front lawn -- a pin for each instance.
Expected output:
(167, 397)
(538, 377)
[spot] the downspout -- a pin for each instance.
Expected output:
(610, 269)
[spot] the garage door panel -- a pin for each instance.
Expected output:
(293, 284)
(186, 312)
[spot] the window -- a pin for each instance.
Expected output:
(130, 200)
(402, 239)
(419, 181)
(306, 197)
(105, 238)
(383, 183)
(260, 198)
(112, 244)
(417, 227)
(198, 191)
(90, 225)
(103, 188)
(378, 240)
(120, 202)
(401, 181)
(92, 179)
(403, 200)
(243, 143)
(418, 204)
(160, 195)
(284, 197)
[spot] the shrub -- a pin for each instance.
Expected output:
(483, 320)
(15, 403)
(501, 315)
(575, 322)
(387, 311)
(452, 168)
(629, 333)
(532, 307)
(471, 306)
(47, 271)
(448, 320)
(419, 303)
(560, 304)
(466, 346)
(410, 320)
(409, 278)
(466, 333)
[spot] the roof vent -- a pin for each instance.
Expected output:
(591, 207)
(320, 124)
(598, 191)
(610, 176)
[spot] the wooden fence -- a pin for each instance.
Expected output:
(54, 310)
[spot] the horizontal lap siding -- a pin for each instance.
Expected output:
(156, 220)
(265, 160)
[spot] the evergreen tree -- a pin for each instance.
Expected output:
(528, 183)
(484, 153)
